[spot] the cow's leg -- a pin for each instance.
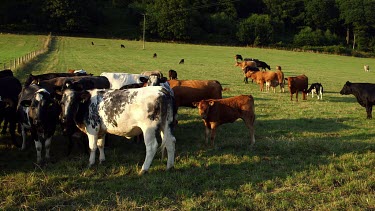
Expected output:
(100, 144)
(304, 96)
(213, 134)
(12, 131)
(369, 111)
(297, 96)
(207, 134)
(47, 145)
(169, 141)
(23, 132)
(38, 147)
(151, 148)
(250, 124)
(291, 96)
(92, 145)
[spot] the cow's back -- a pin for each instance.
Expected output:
(188, 91)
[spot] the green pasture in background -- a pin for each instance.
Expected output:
(308, 155)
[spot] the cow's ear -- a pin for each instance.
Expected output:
(85, 96)
(211, 102)
(67, 84)
(26, 103)
(143, 79)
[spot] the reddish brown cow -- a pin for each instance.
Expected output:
(221, 111)
(268, 77)
(188, 91)
(280, 78)
(296, 84)
(245, 64)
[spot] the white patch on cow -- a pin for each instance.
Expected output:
(118, 80)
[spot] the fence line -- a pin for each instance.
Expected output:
(17, 62)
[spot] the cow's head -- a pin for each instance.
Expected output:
(154, 80)
(40, 107)
(204, 107)
(71, 101)
(346, 90)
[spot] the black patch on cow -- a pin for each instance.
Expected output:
(115, 103)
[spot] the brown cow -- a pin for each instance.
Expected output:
(244, 64)
(215, 112)
(296, 84)
(188, 91)
(281, 79)
(260, 77)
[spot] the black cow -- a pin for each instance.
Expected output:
(238, 57)
(37, 78)
(10, 88)
(38, 112)
(260, 64)
(182, 61)
(3, 110)
(364, 92)
(6, 73)
(172, 75)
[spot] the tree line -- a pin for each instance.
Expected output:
(332, 25)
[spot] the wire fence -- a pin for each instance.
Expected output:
(18, 62)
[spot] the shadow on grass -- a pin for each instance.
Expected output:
(200, 171)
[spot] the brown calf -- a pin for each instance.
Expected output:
(296, 84)
(245, 64)
(215, 112)
(260, 77)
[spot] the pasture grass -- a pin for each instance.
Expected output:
(308, 155)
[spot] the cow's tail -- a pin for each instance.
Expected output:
(168, 122)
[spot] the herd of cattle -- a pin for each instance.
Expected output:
(130, 105)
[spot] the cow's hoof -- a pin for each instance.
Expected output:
(142, 172)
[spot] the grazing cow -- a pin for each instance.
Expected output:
(182, 61)
(244, 64)
(118, 80)
(122, 46)
(260, 77)
(92, 43)
(155, 56)
(10, 88)
(367, 68)
(172, 75)
(316, 88)
(37, 78)
(155, 72)
(297, 84)
(280, 78)
(364, 92)
(188, 91)
(238, 57)
(260, 64)
(215, 112)
(247, 69)
(38, 112)
(97, 112)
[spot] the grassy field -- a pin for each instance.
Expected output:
(308, 155)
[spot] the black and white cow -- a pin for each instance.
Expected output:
(316, 88)
(364, 92)
(38, 113)
(118, 80)
(10, 88)
(127, 113)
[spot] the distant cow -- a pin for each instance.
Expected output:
(238, 57)
(215, 112)
(316, 88)
(118, 80)
(10, 88)
(260, 64)
(122, 46)
(280, 78)
(172, 75)
(38, 113)
(244, 64)
(249, 69)
(78, 72)
(366, 68)
(188, 91)
(92, 43)
(298, 84)
(364, 92)
(182, 61)
(97, 112)
(155, 56)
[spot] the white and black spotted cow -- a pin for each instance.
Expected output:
(38, 113)
(118, 80)
(316, 88)
(127, 113)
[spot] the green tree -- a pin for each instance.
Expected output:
(321, 14)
